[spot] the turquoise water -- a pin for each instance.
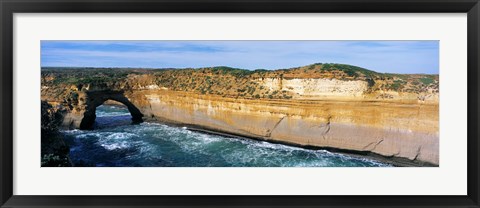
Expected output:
(115, 142)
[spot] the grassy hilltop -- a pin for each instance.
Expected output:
(233, 82)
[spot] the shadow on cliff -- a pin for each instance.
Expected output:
(97, 98)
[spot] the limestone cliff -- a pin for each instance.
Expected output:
(320, 105)
(404, 130)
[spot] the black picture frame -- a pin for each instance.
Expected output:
(10, 7)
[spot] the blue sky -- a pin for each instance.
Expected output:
(380, 56)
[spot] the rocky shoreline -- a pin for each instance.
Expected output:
(401, 133)
(391, 129)
(392, 160)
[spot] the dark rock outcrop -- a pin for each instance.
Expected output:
(54, 150)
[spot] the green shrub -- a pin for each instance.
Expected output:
(427, 80)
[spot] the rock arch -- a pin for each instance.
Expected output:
(97, 98)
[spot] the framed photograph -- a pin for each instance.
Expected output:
(268, 103)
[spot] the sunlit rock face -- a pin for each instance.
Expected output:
(406, 130)
(83, 104)
(397, 117)
(317, 87)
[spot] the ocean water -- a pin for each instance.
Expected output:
(117, 143)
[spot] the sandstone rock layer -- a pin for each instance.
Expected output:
(392, 129)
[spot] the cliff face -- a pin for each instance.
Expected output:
(319, 87)
(320, 106)
(386, 128)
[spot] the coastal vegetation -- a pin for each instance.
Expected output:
(233, 82)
